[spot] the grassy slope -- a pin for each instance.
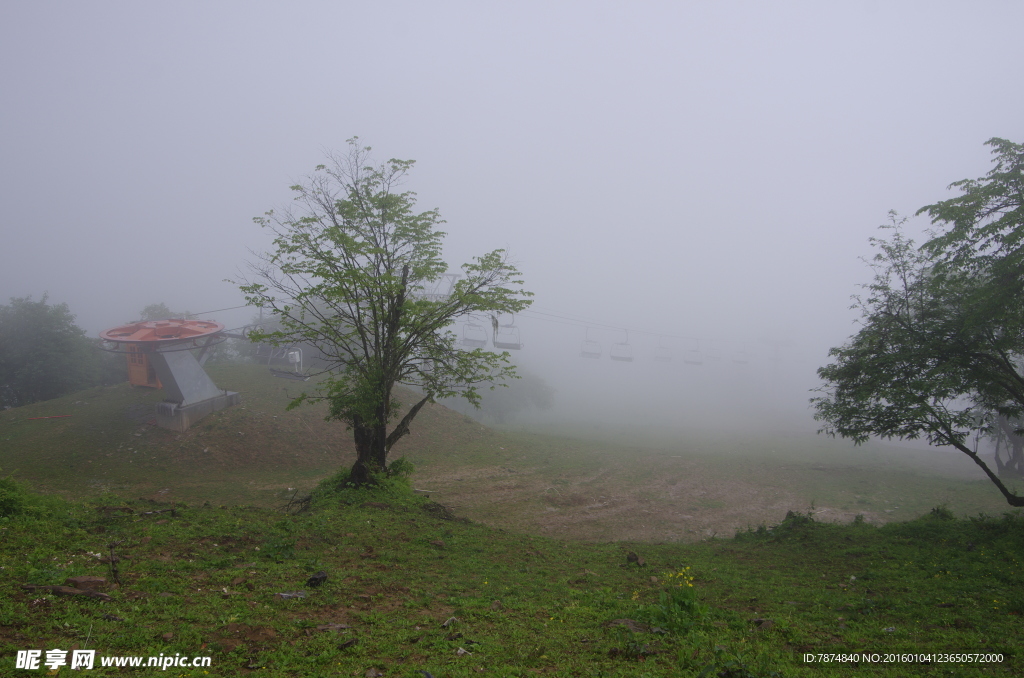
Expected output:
(246, 454)
(560, 486)
(525, 604)
(202, 582)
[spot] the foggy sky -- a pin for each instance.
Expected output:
(695, 169)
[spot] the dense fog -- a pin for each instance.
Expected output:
(679, 180)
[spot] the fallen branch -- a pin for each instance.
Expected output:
(301, 505)
(113, 564)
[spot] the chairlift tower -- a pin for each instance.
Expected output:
(166, 346)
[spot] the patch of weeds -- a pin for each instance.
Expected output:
(281, 546)
(793, 524)
(629, 645)
(17, 500)
(12, 498)
(392, 486)
(1015, 605)
(729, 665)
(45, 574)
(678, 608)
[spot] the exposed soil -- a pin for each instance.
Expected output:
(684, 501)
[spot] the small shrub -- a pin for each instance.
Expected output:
(793, 523)
(400, 469)
(760, 534)
(17, 500)
(12, 498)
(678, 609)
(279, 548)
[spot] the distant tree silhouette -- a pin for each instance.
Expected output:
(43, 353)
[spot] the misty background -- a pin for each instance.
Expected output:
(665, 176)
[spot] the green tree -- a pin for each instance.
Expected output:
(978, 253)
(939, 354)
(350, 272)
(161, 312)
(43, 353)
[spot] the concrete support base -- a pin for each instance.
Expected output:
(180, 418)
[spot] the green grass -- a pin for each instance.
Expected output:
(247, 454)
(538, 583)
(202, 582)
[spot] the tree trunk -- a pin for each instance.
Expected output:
(1014, 466)
(1011, 498)
(1000, 467)
(1016, 462)
(373, 444)
(372, 440)
(371, 454)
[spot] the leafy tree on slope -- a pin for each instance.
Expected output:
(350, 271)
(940, 353)
(43, 353)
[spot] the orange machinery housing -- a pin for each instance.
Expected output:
(152, 334)
(140, 371)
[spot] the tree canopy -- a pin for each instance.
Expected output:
(161, 312)
(352, 271)
(940, 350)
(43, 353)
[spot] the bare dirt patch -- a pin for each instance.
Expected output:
(585, 491)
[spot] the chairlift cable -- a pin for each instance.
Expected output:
(220, 309)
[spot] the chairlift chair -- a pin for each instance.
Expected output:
(662, 354)
(507, 337)
(713, 351)
(590, 348)
(691, 353)
(621, 351)
(474, 335)
(291, 355)
(439, 289)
